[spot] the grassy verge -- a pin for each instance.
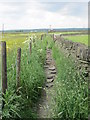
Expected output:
(32, 78)
(71, 90)
(82, 39)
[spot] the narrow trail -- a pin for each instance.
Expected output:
(45, 107)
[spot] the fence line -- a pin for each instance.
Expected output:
(17, 65)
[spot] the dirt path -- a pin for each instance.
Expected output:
(45, 103)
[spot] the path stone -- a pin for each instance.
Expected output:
(49, 85)
(48, 60)
(48, 63)
(46, 66)
(48, 51)
(52, 68)
(50, 80)
(53, 72)
(50, 76)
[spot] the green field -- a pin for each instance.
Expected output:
(81, 39)
(15, 40)
(64, 32)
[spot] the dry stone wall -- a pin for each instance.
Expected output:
(80, 51)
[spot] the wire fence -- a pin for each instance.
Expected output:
(11, 61)
(11, 58)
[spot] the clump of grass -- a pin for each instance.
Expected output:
(71, 100)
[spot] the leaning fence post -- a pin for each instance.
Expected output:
(30, 47)
(18, 67)
(3, 66)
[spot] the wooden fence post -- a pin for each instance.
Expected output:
(53, 36)
(18, 67)
(41, 37)
(3, 67)
(30, 47)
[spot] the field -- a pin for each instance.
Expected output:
(81, 39)
(17, 39)
(65, 32)
(70, 99)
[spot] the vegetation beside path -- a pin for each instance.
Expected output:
(32, 77)
(71, 90)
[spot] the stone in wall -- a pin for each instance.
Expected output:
(85, 54)
(75, 46)
(66, 44)
(70, 45)
(78, 52)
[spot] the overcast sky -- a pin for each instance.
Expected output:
(28, 14)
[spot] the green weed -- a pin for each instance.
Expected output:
(71, 90)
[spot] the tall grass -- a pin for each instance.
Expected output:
(71, 90)
(32, 78)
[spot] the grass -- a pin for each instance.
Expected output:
(32, 78)
(71, 89)
(81, 39)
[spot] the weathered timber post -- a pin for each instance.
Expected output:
(41, 37)
(18, 67)
(30, 47)
(3, 67)
(53, 36)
